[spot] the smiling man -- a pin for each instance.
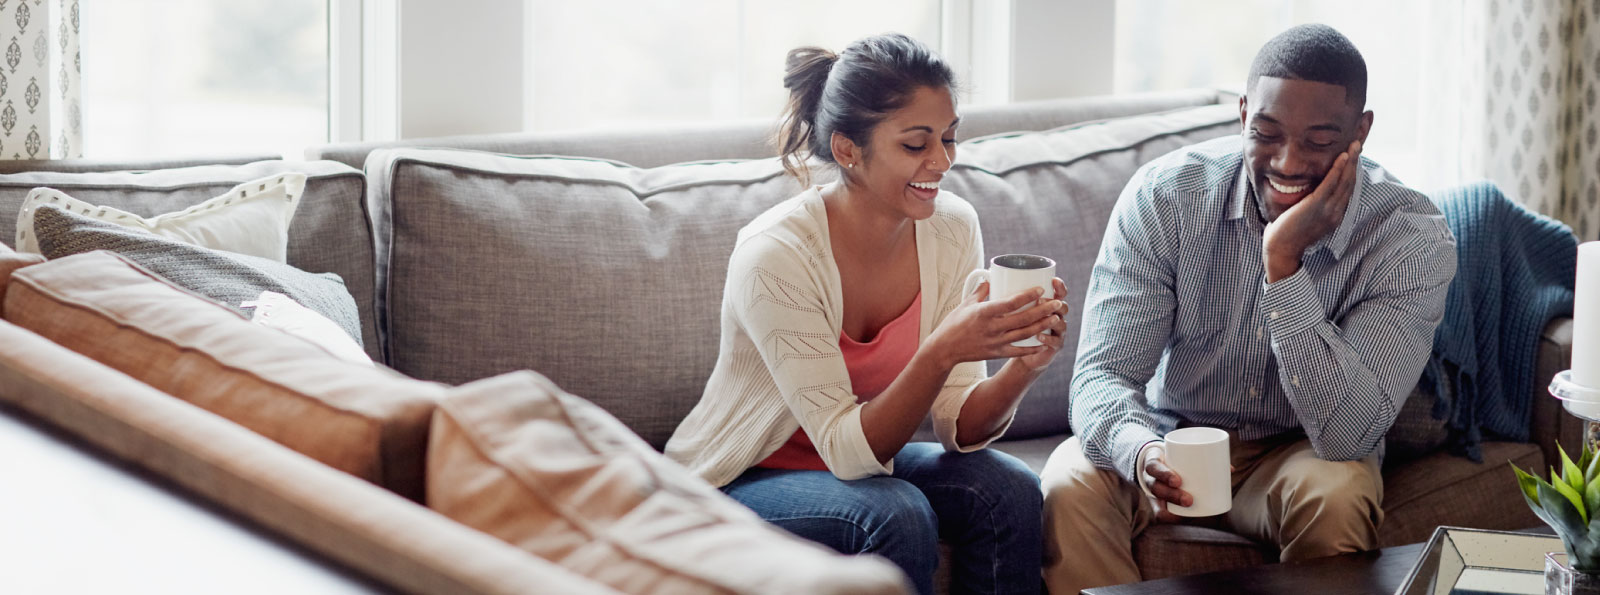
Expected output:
(1275, 285)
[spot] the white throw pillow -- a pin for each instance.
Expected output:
(251, 218)
(275, 310)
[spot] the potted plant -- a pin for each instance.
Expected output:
(1570, 504)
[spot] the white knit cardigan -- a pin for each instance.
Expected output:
(779, 366)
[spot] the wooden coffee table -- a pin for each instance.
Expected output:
(1362, 573)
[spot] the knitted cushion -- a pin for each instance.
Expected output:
(226, 277)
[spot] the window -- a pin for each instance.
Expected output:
(181, 78)
(1178, 44)
(591, 62)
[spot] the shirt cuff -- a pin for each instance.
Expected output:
(1291, 305)
(1125, 448)
(1138, 470)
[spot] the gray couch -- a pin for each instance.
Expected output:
(598, 259)
(602, 267)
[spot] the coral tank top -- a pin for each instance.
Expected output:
(873, 366)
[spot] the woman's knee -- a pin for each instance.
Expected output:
(894, 506)
(1002, 479)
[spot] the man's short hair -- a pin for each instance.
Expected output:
(1313, 52)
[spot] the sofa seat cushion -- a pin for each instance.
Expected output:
(329, 233)
(1444, 489)
(1174, 550)
(367, 421)
(1033, 451)
(518, 458)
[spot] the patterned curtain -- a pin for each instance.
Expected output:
(1516, 84)
(40, 86)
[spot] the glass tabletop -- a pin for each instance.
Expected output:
(1459, 561)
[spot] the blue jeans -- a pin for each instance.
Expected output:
(986, 504)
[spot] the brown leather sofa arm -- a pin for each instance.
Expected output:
(1552, 424)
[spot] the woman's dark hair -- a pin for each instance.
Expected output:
(849, 93)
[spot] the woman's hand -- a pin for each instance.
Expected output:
(978, 330)
(1052, 338)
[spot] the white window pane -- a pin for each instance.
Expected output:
(1179, 44)
(707, 60)
(172, 78)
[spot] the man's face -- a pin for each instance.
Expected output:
(1293, 131)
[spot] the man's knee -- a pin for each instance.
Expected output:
(1073, 485)
(1337, 503)
(1351, 484)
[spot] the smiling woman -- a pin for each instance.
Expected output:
(845, 325)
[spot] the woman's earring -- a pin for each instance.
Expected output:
(851, 166)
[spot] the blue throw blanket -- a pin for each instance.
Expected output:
(1515, 271)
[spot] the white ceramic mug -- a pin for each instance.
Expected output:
(1011, 274)
(1200, 457)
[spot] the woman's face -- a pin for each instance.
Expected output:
(909, 152)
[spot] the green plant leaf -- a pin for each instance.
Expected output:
(1584, 554)
(1571, 474)
(1560, 499)
(1529, 485)
(1591, 498)
(1592, 468)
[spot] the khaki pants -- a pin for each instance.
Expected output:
(1282, 493)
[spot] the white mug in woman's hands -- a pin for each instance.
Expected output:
(1011, 274)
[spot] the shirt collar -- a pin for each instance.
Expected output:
(1242, 198)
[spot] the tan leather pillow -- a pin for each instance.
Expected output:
(555, 475)
(11, 260)
(370, 422)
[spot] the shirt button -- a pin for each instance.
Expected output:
(1273, 315)
(1258, 332)
(1254, 391)
(1295, 380)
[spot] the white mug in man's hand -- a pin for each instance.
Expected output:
(1200, 458)
(1011, 274)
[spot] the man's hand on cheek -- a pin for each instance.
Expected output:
(1311, 219)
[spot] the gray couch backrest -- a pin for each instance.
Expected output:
(751, 139)
(330, 233)
(608, 278)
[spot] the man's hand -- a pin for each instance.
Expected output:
(1311, 219)
(1162, 484)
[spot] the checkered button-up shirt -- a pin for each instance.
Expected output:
(1180, 325)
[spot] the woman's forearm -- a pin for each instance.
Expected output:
(889, 420)
(992, 402)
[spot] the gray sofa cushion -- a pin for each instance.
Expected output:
(608, 278)
(331, 232)
(226, 277)
(605, 278)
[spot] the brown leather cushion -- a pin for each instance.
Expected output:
(517, 458)
(369, 422)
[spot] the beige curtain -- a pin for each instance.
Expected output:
(1514, 85)
(40, 86)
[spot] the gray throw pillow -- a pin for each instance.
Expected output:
(224, 277)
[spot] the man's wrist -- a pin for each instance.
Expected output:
(1153, 448)
(1281, 262)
